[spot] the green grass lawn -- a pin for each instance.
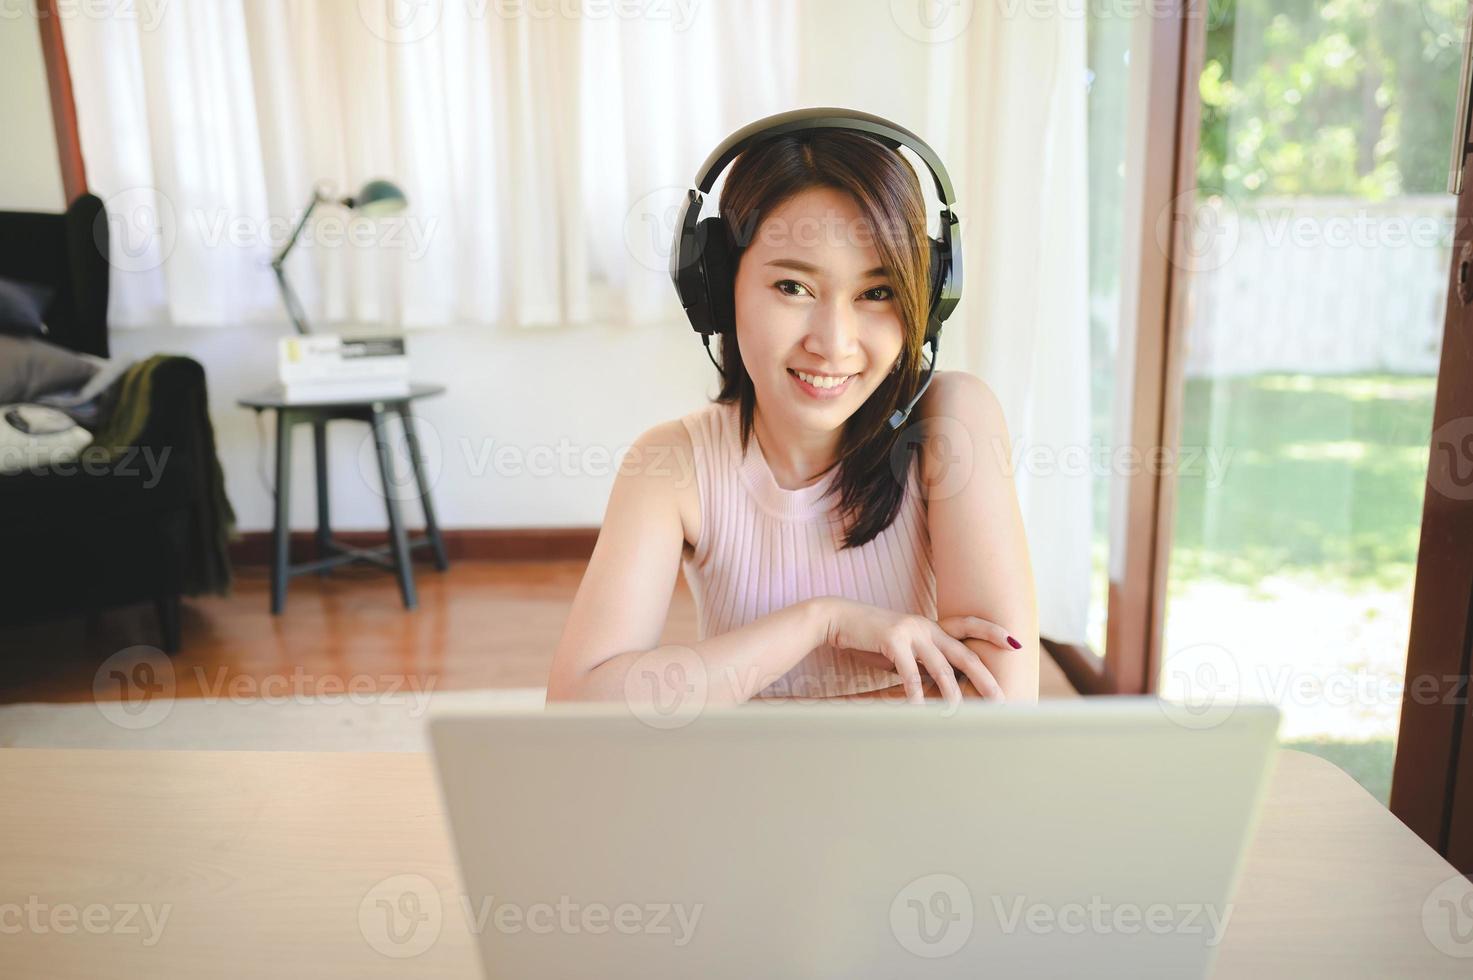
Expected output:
(1323, 484)
(1324, 479)
(1369, 762)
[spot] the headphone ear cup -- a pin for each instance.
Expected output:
(718, 269)
(940, 268)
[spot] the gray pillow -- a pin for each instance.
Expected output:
(21, 306)
(30, 367)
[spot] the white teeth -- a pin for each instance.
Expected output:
(818, 382)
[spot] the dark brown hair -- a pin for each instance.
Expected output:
(874, 459)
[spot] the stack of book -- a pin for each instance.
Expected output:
(327, 367)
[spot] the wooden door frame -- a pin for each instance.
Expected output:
(1161, 167)
(1432, 777)
(63, 106)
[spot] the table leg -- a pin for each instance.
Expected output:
(281, 527)
(432, 527)
(324, 526)
(398, 539)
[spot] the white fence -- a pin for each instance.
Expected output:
(1319, 285)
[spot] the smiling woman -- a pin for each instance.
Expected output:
(826, 556)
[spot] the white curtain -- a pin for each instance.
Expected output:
(1029, 279)
(522, 143)
(544, 156)
(1001, 99)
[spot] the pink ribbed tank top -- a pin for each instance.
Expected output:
(762, 548)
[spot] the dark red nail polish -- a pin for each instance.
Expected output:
(1016, 645)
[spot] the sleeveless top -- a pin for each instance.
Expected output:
(762, 548)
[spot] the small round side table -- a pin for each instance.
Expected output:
(395, 555)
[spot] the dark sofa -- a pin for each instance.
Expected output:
(75, 538)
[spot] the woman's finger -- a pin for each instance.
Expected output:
(910, 674)
(962, 627)
(940, 668)
(963, 658)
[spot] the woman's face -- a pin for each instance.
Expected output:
(811, 297)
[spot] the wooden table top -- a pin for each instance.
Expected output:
(211, 864)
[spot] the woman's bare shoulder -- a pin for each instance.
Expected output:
(665, 451)
(962, 414)
(668, 437)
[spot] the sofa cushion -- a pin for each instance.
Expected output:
(23, 305)
(34, 437)
(30, 367)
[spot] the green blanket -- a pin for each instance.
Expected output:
(211, 518)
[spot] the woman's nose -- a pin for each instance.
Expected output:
(834, 332)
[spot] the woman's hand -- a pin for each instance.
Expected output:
(912, 642)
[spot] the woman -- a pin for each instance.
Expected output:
(829, 554)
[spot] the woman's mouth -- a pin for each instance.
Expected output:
(819, 386)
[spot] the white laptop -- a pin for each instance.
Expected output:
(1100, 837)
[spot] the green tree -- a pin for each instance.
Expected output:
(1346, 97)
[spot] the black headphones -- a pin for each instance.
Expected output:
(703, 268)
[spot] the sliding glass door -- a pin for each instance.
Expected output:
(1316, 281)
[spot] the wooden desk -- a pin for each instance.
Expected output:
(261, 861)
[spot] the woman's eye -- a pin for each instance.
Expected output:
(782, 285)
(885, 293)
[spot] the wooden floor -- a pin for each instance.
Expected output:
(481, 624)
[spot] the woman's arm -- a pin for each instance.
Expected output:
(619, 611)
(979, 549)
(726, 669)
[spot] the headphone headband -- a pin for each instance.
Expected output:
(799, 120)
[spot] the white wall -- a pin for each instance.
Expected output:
(550, 401)
(30, 174)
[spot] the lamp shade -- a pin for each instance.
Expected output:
(378, 197)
